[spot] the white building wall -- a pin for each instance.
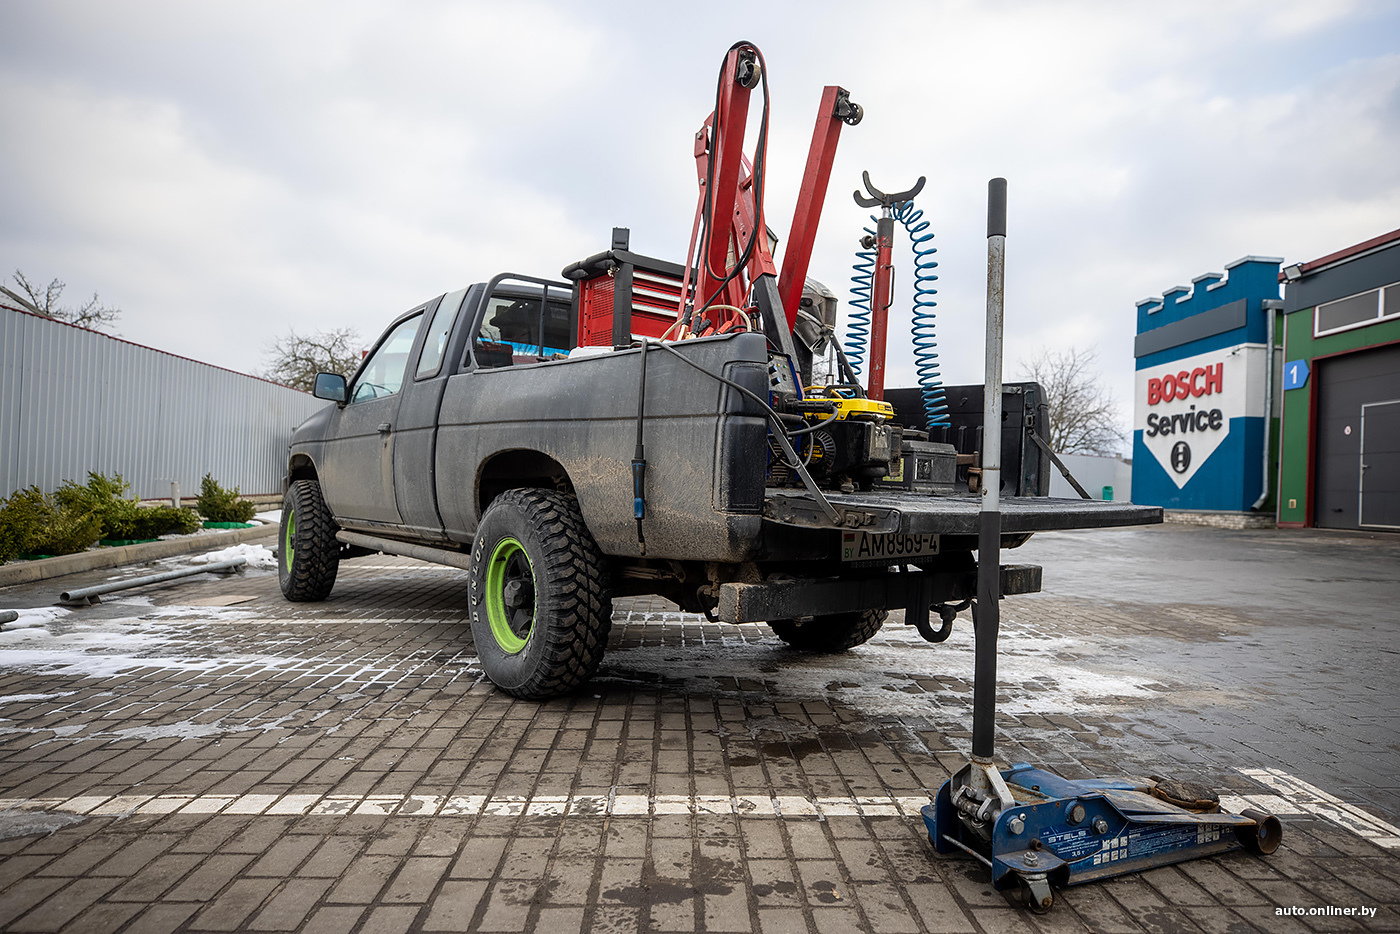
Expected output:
(1094, 473)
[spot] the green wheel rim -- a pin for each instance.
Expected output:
(510, 595)
(288, 537)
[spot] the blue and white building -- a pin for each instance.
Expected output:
(1200, 440)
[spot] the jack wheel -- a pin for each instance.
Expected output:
(1036, 891)
(835, 633)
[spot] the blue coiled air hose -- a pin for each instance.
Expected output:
(925, 346)
(858, 328)
(924, 317)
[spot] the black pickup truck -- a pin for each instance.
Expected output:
(477, 434)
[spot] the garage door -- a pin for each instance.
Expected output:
(1358, 404)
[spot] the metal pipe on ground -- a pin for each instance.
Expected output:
(86, 596)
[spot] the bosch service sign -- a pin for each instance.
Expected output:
(1184, 407)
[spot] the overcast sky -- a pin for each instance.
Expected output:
(223, 171)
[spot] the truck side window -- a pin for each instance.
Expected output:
(435, 344)
(382, 374)
(511, 331)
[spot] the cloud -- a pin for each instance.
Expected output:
(221, 171)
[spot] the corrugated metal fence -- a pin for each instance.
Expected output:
(73, 400)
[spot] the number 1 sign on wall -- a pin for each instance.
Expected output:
(1295, 374)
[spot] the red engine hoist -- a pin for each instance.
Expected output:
(730, 249)
(729, 280)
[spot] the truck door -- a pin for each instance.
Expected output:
(514, 327)
(415, 433)
(358, 468)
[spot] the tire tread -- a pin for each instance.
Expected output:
(313, 572)
(831, 634)
(578, 636)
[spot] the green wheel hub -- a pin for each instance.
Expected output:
(510, 595)
(289, 536)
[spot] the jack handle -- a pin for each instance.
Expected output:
(878, 197)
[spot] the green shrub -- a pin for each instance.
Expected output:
(74, 517)
(219, 505)
(36, 524)
(123, 519)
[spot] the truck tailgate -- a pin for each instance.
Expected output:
(919, 514)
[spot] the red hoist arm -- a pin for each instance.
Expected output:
(730, 208)
(727, 209)
(835, 109)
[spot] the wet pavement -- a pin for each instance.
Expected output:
(205, 756)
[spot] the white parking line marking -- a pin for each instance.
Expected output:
(121, 804)
(1292, 796)
(251, 804)
(1309, 799)
(293, 804)
(414, 805)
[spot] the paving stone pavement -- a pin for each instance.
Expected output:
(207, 757)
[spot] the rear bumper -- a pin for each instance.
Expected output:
(788, 599)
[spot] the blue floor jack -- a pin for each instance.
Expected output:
(1032, 828)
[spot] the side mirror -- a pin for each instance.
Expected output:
(330, 386)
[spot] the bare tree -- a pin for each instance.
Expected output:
(44, 301)
(295, 359)
(1083, 412)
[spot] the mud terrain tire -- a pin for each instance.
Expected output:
(308, 555)
(541, 604)
(829, 634)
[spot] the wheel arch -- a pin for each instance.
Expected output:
(301, 467)
(520, 468)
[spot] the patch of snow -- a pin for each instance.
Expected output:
(131, 600)
(28, 698)
(33, 622)
(31, 824)
(272, 516)
(1034, 675)
(201, 614)
(258, 556)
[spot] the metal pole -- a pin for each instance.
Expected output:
(988, 616)
(89, 595)
(881, 297)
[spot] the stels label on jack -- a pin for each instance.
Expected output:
(1184, 408)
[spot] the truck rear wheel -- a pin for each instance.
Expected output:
(835, 633)
(541, 607)
(308, 555)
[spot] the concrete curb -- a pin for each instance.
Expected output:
(45, 568)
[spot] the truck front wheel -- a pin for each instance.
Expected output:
(835, 633)
(541, 607)
(308, 554)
